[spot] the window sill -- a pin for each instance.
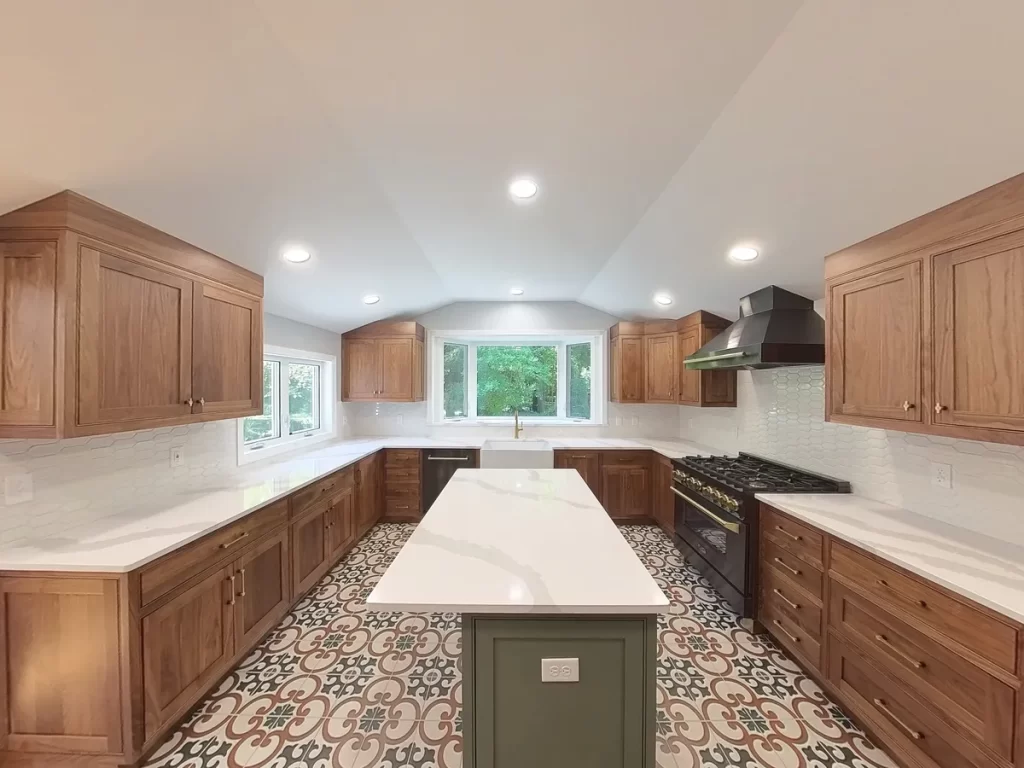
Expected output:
(278, 448)
(522, 423)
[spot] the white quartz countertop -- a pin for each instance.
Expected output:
(986, 570)
(158, 525)
(517, 541)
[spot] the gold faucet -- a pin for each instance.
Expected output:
(516, 430)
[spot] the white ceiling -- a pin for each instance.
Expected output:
(382, 134)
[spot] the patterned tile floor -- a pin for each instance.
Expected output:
(336, 686)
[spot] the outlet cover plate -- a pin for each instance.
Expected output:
(177, 457)
(559, 670)
(942, 475)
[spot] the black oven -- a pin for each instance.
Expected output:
(719, 538)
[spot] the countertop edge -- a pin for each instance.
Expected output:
(874, 549)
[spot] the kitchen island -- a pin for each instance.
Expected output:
(559, 619)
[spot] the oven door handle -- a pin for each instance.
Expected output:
(729, 526)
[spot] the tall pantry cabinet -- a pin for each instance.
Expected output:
(110, 325)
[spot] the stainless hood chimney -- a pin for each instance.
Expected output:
(776, 329)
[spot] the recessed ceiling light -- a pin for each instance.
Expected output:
(371, 299)
(296, 255)
(663, 299)
(522, 189)
(743, 253)
(516, 291)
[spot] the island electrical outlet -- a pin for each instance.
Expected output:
(559, 670)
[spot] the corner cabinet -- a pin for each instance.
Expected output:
(626, 363)
(383, 362)
(925, 326)
(703, 389)
(660, 372)
(111, 325)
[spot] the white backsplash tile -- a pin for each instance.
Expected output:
(780, 415)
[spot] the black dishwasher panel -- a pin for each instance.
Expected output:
(439, 464)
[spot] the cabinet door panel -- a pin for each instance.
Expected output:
(228, 352)
(396, 361)
(875, 349)
(626, 490)
(417, 370)
(587, 463)
(688, 342)
(340, 527)
(186, 646)
(361, 369)
(309, 549)
(979, 335)
(134, 340)
(28, 274)
(660, 356)
(631, 369)
(263, 587)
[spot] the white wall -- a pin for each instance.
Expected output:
(282, 332)
(411, 418)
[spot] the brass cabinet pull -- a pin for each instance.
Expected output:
(917, 735)
(190, 402)
(232, 600)
(939, 408)
(884, 583)
(232, 543)
(791, 569)
(907, 405)
(783, 630)
(202, 401)
(909, 659)
(783, 531)
(787, 601)
(242, 574)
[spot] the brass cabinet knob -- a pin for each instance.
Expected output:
(939, 408)
(907, 405)
(202, 401)
(190, 402)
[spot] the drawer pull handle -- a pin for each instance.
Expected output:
(242, 574)
(916, 735)
(783, 630)
(787, 601)
(910, 660)
(232, 600)
(232, 543)
(783, 531)
(791, 569)
(885, 584)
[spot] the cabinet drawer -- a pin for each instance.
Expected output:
(793, 637)
(786, 564)
(321, 489)
(402, 475)
(407, 491)
(952, 685)
(176, 568)
(785, 597)
(402, 507)
(897, 716)
(982, 633)
(408, 458)
(797, 538)
(637, 458)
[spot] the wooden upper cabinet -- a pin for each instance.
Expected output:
(979, 335)
(627, 363)
(383, 362)
(660, 373)
(688, 342)
(110, 325)
(28, 301)
(875, 351)
(227, 353)
(926, 322)
(134, 340)
(705, 389)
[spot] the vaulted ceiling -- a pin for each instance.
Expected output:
(382, 135)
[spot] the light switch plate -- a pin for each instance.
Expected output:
(559, 670)
(177, 457)
(942, 475)
(18, 488)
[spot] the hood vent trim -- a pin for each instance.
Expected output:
(776, 329)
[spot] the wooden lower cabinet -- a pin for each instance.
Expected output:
(263, 588)
(933, 676)
(341, 524)
(370, 485)
(626, 490)
(587, 463)
(625, 482)
(309, 548)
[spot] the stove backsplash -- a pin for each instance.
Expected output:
(780, 415)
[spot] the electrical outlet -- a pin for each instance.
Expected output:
(18, 488)
(177, 457)
(559, 670)
(942, 475)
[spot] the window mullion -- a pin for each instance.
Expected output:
(282, 396)
(562, 375)
(471, 380)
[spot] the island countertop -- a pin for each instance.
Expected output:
(518, 541)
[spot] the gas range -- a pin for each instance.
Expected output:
(716, 515)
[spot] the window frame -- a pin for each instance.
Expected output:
(258, 450)
(560, 339)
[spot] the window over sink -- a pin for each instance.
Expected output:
(298, 404)
(549, 378)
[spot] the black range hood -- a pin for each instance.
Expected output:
(776, 329)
